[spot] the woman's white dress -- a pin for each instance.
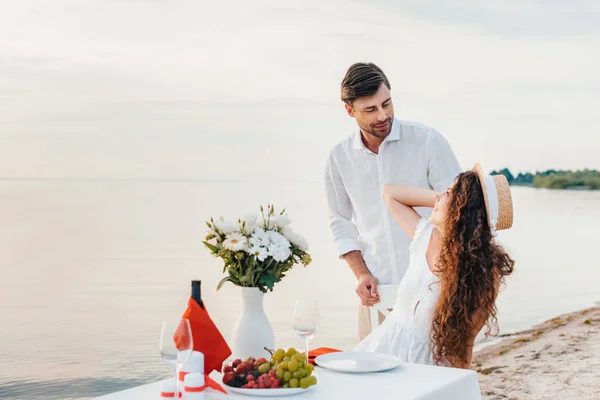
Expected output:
(405, 333)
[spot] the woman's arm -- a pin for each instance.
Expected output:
(401, 199)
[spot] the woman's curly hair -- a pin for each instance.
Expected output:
(471, 266)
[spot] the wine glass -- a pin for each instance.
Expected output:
(306, 320)
(176, 345)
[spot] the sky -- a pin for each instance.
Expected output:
(239, 90)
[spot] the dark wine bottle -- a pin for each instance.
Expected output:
(196, 293)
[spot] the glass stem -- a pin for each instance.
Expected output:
(176, 381)
(307, 340)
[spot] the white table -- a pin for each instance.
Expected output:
(407, 382)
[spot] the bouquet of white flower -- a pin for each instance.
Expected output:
(257, 249)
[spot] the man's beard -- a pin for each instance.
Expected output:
(371, 130)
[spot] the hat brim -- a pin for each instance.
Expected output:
(505, 204)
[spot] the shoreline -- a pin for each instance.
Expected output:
(580, 188)
(559, 358)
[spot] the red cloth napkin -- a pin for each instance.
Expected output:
(312, 354)
(207, 338)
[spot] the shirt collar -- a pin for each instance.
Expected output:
(394, 135)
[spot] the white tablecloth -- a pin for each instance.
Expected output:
(407, 382)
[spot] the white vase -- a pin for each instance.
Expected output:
(253, 331)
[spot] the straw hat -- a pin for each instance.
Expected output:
(498, 200)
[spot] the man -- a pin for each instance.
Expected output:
(384, 150)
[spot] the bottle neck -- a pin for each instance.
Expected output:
(196, 295)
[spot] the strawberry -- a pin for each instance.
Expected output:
(227, 369)
(236, 362)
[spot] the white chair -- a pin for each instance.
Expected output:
(387, 295)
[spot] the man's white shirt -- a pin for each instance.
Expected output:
(412, 154)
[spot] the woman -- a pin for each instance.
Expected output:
(449, 291)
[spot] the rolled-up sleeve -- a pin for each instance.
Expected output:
(443, 164)
(343, 229)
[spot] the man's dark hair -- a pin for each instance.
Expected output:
(362, 79)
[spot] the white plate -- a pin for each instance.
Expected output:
(268, 392)
(358, 362)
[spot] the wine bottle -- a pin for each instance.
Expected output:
(196, 293)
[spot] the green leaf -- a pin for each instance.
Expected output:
(212, 247)
(268, 281)
(222, 282)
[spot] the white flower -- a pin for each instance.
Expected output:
(260, 252)
(295, 238)
(235, 242)
(259, 238)
(277, 240)
(227, 226)
(280, 253)
(250, 220)
(281, 221)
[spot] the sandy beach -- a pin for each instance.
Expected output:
(558, 359)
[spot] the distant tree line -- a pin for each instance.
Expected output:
(554, 179)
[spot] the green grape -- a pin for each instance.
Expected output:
(292, 366)
(291, 351)
(278, 355)
(304, 383)
(309, 367)
(286, 385)
(301, 356)
(279, 374)
(294, 383)
(287, 376)
(300, 364)
(299, 374)
(287, 358)
(312, 380)
(283, 365)
(296, 357)
(264, 368)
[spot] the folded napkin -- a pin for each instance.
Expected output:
(207, 338)
(312, 354)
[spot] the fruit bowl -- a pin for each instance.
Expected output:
(268, 392)
(286, 373)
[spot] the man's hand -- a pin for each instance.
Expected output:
(367, 283)
(367, 290)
